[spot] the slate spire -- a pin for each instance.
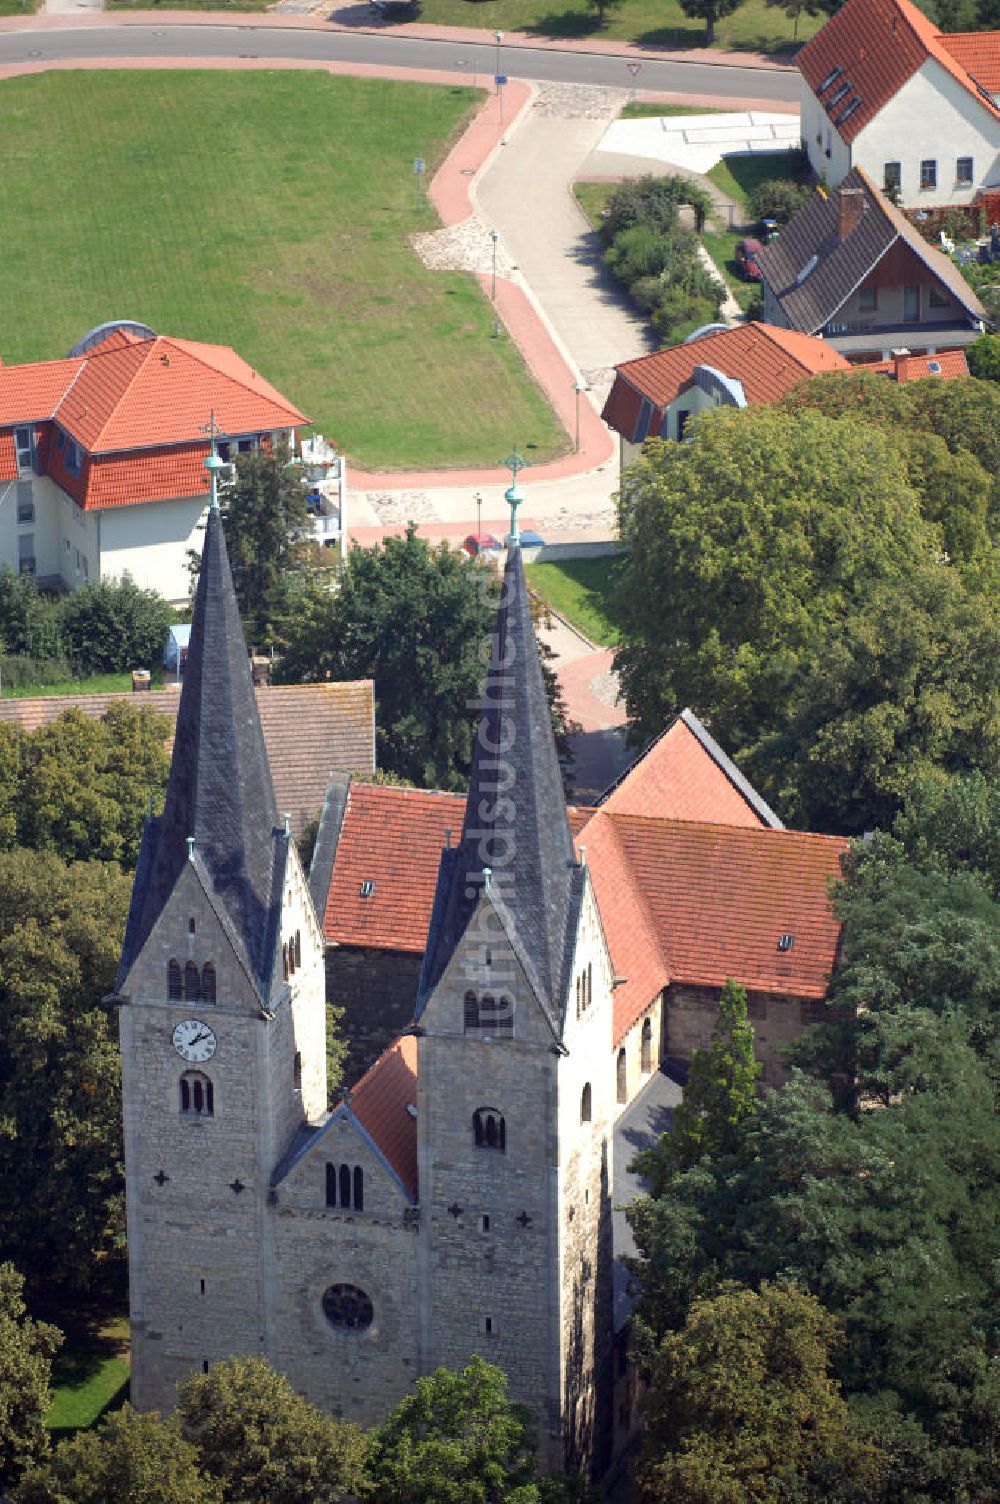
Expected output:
(219, 810)
(516, 842)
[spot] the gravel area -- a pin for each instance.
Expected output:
(579, 101)
(461, 248)
(606, 688)
(401, 506)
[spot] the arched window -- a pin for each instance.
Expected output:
(359, 1189)
(471, 1012)
(331, 1185)
(586, 1105)
(489, 1129)
(197, 1095)
(622, 1077)
(646, 1055)
(345, 1185)
(284, 961)
(208, 982)
(192, 982)
(298, 949)
(347, 1307)
(297, 1071)
(175, 981)
(505, 1018)
(590, 984)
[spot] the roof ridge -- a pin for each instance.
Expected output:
(140, 365)
(754, 832)
(76, 376)
(193, 346)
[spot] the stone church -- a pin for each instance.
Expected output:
(513, 973)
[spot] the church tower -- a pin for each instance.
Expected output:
(222, 1018)
(514, 1109)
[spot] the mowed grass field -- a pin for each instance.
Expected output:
(269, 211)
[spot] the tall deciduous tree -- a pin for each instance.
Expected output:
(414, 619)
(26, 1351)
(266, 520)
(718, 1095)
(457, 1439)
(264, 1444)
(61, 1214)
(709, 11)
(113, 625)
(742, 1407)
(128, 1459)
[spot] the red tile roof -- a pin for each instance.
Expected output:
(312, 732)
(767, 362)
(878, 45)
(677, 779)
(132, 394)
(950, 365)
(719, 898)
(380, 1101)
(978, 52)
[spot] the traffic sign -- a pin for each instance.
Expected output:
(500, 79)
(633, 68)
(419, 165)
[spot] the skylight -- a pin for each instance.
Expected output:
(934, 366)
(855, 104)
(829, 79)
(844, 90)
(810, 266)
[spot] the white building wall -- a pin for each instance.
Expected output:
(77, 541)
(150, 541)
(829, 155)
(933, 117)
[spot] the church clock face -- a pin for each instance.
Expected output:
(194, 1041)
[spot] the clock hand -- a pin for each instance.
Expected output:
(198, 1039)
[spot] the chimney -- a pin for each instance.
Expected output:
(850, 207)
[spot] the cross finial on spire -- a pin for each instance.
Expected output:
(213, 464)
(514, 495)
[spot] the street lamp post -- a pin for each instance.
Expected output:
(499, 38)
(494, 236)
(578, 387)
(478, 499)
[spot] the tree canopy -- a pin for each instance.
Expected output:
(788, 578)
(742, 1407)
(413, 618)
(60, 1113)
(129, 1458)
(264, 1444)
(456, 1439)
(26, 1351)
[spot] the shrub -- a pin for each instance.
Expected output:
(983, 357)
(113, 625)
(778, 199)
(29, 621)
(637, 253)
(20, 672)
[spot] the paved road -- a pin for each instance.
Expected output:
(179, 40)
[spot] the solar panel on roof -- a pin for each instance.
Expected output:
(829, 79)
(855, 104)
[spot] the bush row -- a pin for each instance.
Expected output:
(104, 628)
(651, 253)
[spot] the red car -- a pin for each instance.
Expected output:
(746, 259)
(481, 543)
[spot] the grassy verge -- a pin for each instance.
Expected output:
(89, 1377)
(737, 176)
(97, 684)
(645, 109)
(269, 211)
(592, 198)
(755, 26)
(721, 246)
(580, 590)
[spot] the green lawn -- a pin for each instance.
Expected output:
(592, 198)
(269, 211)
(755, 26)
(739, 175)
(644, 109)
(89, 1377)
(721, 246)
(97, 684)
(580, 590)
(18, 7)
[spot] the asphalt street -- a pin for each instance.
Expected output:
(249, 41)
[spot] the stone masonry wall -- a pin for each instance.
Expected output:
(776, 1019)
(378, 989)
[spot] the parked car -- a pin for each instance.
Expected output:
(481, 543)
(531, 539)
(746, 259)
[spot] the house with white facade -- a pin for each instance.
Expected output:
(102, 454)
(918, 109)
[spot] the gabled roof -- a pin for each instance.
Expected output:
(978, 54)
(515, 836)
(312, 732)
(685, 775)
(948, 365)
(869, 49)
(720, 898)
(219, 793)
(812, 271)
(765, 360)
(129, 393)
(381, 1102)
